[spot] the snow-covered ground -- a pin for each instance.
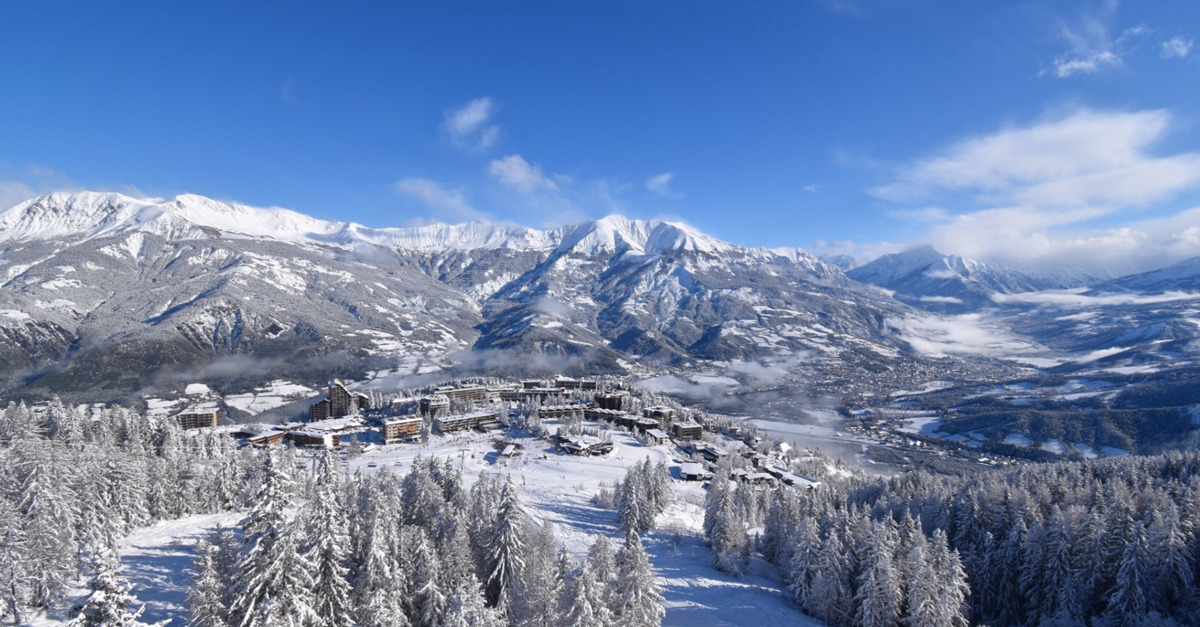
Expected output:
(554, 488)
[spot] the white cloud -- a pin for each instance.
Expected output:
(811, 187)
(467, 126)
(515, 171)
(1017, 159)
(13, 193)
(1177, 47)
(1091, 47)
(1075, 298)
(970, 334)
(447, 204)
(661, 185)
(1038, 186)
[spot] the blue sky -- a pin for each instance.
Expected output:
(1032, 132)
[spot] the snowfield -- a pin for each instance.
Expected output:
(555, 488)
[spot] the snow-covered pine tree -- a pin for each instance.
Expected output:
(829, 595)
(506, 550)
(428, 599)
(206, 595)
(877, 601)
(466, 608)
(636, 597)
(586, 604)
(327, 538)
(1127, 601)
(952, 589)
(802, 567)
(14, 562)
(783, 516)
(1173, 561)
(381, 583)
(600, 558)
(730, 544)
(107, 604)
(536, 592)
(48, 513)
(271, 580)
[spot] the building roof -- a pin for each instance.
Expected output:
(403, 421)
(334, 424)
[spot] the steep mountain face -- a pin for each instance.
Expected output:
(1183, 276)
(926, 278)
(102, 294)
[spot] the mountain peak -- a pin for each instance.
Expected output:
(85, 215)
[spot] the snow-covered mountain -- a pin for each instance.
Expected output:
(1183, 276)
(926, 278)
(102, 293)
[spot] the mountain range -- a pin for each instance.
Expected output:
(104, 295)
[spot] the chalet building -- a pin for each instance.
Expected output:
(801, 482)
(497, 394)
(319, 410)
(752, 478)
(692, 471)
(655, 436)
(266, 438)
(646, 424)
(687, 431)
(306, 437)
(584, 445)
(609, 401)
(610, 415)
(337, 403)
(199, 416)
(473, 393)
(402, 429)
(483, 420)
(561, 411)
(434, 405)
(709, 452)
(627, 421)
(568, 383)
(527, 395)
(664, 415)
(511, 395)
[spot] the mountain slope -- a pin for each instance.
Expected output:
(926, 278)
(103, 294)
(1183, 276)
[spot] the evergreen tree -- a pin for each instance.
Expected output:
(586, 605)
(206, 596)
(106, 605)
(802, 568)
(638, 601)
(730, 545)
(1127, 602)
(272, 580)
(877, 600)
(506, 554)
(429, 601)
(829, 595)
(329, 539)
(14, 562)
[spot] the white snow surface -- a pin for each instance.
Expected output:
(86, 215)
(554, 488)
